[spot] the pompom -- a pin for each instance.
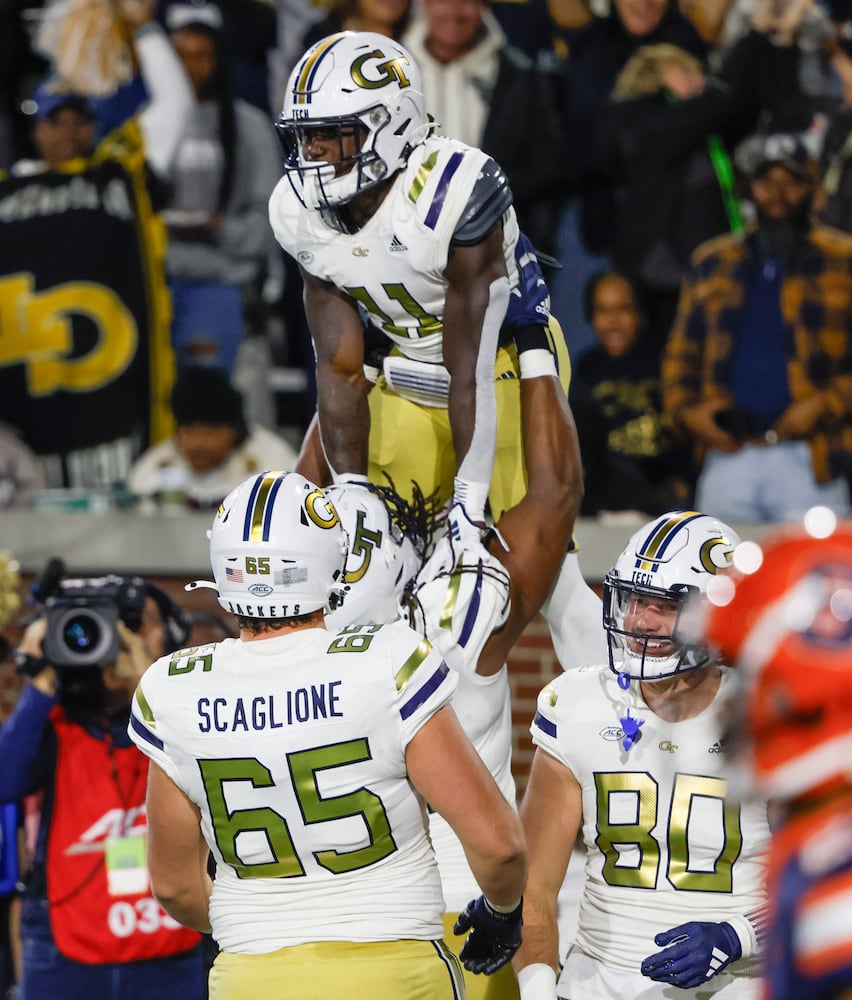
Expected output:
(10, 581)
(88, 43)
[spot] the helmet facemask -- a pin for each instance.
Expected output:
(353, 85)
(357, 167)
(670, 559)
(646, 655)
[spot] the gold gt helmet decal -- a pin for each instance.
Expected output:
(372, 76)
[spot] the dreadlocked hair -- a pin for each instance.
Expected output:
(418, 519)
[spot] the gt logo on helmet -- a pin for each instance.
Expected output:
(321, 510)
(389, 70)
(713, 558)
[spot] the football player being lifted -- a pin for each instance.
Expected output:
(471, 600)
(632, 755)
(413, 236)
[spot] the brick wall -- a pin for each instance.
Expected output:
(532, 664)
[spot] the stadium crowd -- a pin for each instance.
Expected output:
(630, 133)
(523, 262)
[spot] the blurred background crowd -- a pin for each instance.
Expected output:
(633, 132)
(684, 168)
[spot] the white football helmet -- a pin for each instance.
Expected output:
(383, 558)
(357, 81)
(277, 548)
(672, 558)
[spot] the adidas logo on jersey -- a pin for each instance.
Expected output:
(396, 245)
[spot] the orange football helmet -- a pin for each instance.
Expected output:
(786, 621)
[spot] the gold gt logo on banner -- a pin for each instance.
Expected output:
(37, 331)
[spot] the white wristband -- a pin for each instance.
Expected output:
(746, 933)
(536, 363)
(349, 479)
(504, 909)
(537, 982)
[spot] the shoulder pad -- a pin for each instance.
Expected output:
(489, 200)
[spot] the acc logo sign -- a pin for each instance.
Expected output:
(260, 589)
(375, 76)
(321, 510)
(612, 733)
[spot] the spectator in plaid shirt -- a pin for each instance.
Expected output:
(758, 366)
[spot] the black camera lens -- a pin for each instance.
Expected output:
(81, 633)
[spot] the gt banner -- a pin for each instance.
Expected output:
(85, 354)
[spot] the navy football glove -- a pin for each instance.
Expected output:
(695, 952)
(494, 937)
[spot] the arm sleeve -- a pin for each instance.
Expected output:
(246, 233)
(24, 745)
(465, 596)
(171, 98)
(681, 365)
(476, 467)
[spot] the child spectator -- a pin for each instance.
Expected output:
(212, 451)
(632, 457)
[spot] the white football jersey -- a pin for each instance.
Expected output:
(293, 748)
(665, 841)
(460, 601)
(394, 265)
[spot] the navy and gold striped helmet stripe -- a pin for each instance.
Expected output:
(303, 88)
(653, 549)
(261, 503)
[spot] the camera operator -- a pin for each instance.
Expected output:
(90, 927)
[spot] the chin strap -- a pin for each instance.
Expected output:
(629, 725)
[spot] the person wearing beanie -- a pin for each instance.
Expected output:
(213, 449)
